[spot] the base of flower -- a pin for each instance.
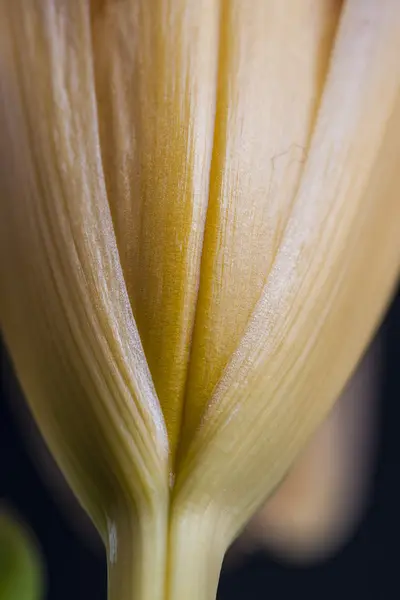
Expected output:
(156, 558)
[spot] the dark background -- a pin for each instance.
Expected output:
(367, 568)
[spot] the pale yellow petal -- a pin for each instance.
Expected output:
(156, 74)
(64, 308)
(330, 281)
(272, 67)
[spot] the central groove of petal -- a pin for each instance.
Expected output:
(205, 113)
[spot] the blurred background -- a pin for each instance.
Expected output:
(261, 565)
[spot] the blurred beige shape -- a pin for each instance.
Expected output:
(319, 504)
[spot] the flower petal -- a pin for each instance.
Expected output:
(156, 85)
(272, 68)
(330, 281)
(65, 312)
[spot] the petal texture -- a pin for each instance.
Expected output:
(271, 74)
(65, 311)
(328, 285)
(156, 83)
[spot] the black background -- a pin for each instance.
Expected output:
(368, 567)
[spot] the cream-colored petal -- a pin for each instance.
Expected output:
(64, 308)
(272, 68)
(329, 283)
(156, 78)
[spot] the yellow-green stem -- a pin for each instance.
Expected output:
(147, 563)
(136, 555)
(197, 544)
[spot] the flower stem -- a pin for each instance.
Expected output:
(136, 554)
(195, 554)
(145, 563)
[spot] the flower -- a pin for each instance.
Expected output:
(199, 234)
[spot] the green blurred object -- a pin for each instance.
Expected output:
(21, 568)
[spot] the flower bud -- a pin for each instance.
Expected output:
(199, 234)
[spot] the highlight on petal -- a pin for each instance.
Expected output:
(270, 78)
